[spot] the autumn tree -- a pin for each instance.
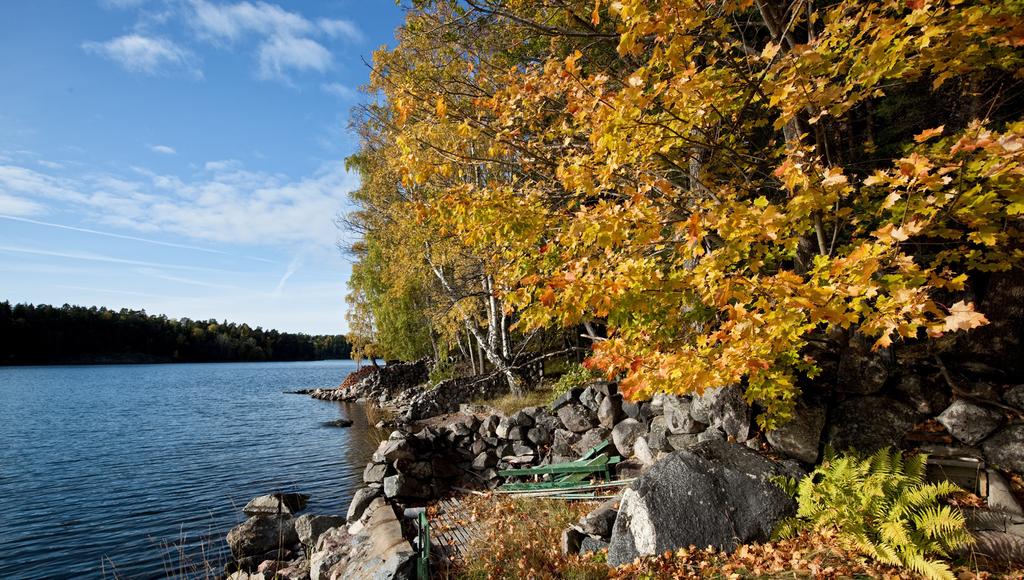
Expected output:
(719, 183)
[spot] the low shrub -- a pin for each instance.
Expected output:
(575, 376)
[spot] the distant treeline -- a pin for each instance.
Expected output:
(43, 334)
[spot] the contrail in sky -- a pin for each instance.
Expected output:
(112, 235)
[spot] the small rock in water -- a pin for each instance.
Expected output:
(337, 423)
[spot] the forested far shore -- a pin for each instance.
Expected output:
(44, 334)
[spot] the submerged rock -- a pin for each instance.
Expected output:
(276, 503)
(337, 423)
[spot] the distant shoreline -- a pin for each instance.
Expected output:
(144, 359)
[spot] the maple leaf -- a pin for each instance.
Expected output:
(962, 316)
(929, 133)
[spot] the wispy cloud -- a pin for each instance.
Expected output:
(225, 203)
(50, 164)
(19, 206)
(286, 41)
(281, 54)
(339, 90)
(163, 149)
(148, 55)
(231, 21)
(160, 275)
(345, 29)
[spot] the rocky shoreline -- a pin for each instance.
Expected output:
(699, 459)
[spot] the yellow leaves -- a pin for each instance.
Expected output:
(441, 108)
(962, 316)
(891, 234)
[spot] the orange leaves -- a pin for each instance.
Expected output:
(928, 134)
(963, 317)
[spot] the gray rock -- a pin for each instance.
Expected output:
(625, 434)
(576, 417)
(395, 449)
(1005, 449)
(924, 397)
(276, 503)
(657, 435)
(592, 546)
(539, 435)
(599, 522)
(404, 486)
(800, 438)
(680, 442)
(489, 426)
(309, 527)
(1000, 495)
(968, 422)
(360, 501)
(522, 419)
(261, 534)
(376, 549)
(570, 396)
(337, 423)
(725, 408)
(589, 440)
(588, 398)
(571, 539)
(639, 410)
(609, 412)
(605, 388)
(642, 452)
(563, 441)
(485, 460)
(517, 433)
(861, 370)
(678, 418)
(712, 434)
(715, 494)
(374, 472)
(1015, 397)
(870, 423)
(504, 426)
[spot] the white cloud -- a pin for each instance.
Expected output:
(223, 203)
(148, 55)
(339, 90)
(50, 164)
(283, 53)
(19, 206)
(345, 29)
(163, 149)
(231, 21)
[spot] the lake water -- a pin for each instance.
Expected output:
(135, 471)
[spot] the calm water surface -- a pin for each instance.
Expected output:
(132, 471)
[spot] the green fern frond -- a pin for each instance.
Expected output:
(881, 507)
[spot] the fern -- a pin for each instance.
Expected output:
(881, 507)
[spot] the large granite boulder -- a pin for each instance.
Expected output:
(800, 438)
(968, 422)
(261, 534)
(1005, 449)
(870, 423)
(372, 548)
(714, 494)
(1015, 396)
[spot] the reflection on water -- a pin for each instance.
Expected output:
(136, 470)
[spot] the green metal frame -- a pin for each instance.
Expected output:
(593, 462)
(423, 561)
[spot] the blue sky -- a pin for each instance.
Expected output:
(182, 156)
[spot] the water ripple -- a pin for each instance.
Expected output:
(136, 471)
